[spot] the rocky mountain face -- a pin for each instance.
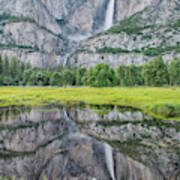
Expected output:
(43, 32)
(46, 32)
(137, 39)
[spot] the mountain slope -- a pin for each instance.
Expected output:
(42, 32)
(137, 39)
(45, 32)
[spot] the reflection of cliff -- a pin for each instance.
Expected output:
(47, 141)
(153, 142)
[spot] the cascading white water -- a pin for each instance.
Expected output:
(109, 160)
(109, 20)
(109, 15)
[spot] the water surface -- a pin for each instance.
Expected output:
(87, 143)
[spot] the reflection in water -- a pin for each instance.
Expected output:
(61, 144)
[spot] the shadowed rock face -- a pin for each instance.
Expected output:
(56, 143)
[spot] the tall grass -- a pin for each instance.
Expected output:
(160, 102)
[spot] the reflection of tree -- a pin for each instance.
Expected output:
(13, 112)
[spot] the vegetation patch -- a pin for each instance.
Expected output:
(146, 51)
(147, 123)
(168, 110)
(13, 19)
(139, 97)
(132, 148)
(135, 24)
(160, 102)
(176, 25)
(13, 45)
(129, 29)
(159, 50)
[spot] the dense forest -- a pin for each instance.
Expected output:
(155, 73)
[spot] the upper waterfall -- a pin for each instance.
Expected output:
(109, 15)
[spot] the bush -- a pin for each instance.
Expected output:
(156, 72)
(101, 76)
(112, 50)
(56, 79)
(79, 76)
(167, 110)
(68, 77)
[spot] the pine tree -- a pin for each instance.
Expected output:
(135, 75)
(156, 72)
(121, 75)
(56, 79)
(1, 71)
(14, 71)
(1, 65)
(80, 76)
(102, 75)
(162, 76)
(174, 72)
(6, 67)
(148, 74)
(26, 77)
(27, 66)
(41, 78)
(68, 77)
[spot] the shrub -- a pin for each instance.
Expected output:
(101, 76)
(156, 72)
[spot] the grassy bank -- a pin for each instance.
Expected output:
(161, 102)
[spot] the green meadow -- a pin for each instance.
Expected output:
(160, 102)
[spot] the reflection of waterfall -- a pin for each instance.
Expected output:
(109, 160)
(109, 15)
(72, 125)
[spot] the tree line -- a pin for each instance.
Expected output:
(155, 73)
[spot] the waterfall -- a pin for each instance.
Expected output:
(109, 160)
(75, 42)
(109, 15)
(77, 38)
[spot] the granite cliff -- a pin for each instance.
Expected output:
(47, 32)
(43, 32)
(153, 31)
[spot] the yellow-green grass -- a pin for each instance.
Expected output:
(160, 102)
